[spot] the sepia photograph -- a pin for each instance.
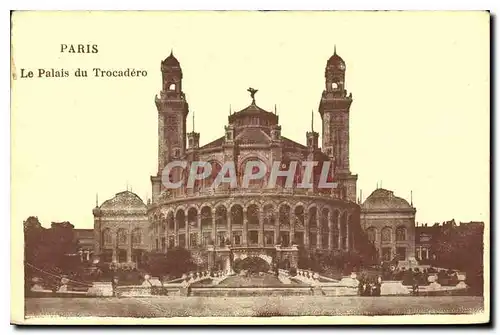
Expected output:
(250, 167)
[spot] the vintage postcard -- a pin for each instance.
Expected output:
(250, 167)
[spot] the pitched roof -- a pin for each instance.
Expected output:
(253, 136)
(214, 144)
(288, 143)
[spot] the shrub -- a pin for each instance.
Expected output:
(407, 277)
(252, 265)
(174, 263)
(129, 277)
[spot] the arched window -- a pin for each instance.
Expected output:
(401, 234)
(193, 217)
(313, 212)
(180, 219)
(106, 236)
(221, 217)
(171, 87)
(253, 215)
(206, 217)
(162, 226)
(136, 236)
(284, 215)
(237, 214)
(269, 217)
(371, 233)
(122, 236)
(299, 215)
(325, 213)
(386, 234)
(170, 221)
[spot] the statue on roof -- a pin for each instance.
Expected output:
(252, 93)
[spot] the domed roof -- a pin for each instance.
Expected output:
(124, 201)
(171, 60)
(385, 199)
(335, 60)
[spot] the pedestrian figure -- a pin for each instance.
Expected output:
(114, 284)
(414, 286)
(376, 289)
(361, 287)
(367, 290)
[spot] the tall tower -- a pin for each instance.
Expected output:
(334, 110)
(173, 110)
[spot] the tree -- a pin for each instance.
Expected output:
(176, 262)
(49, 253)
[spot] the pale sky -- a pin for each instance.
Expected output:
(419, 120)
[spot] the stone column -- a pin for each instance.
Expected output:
(176, 231)
(339, 225)
(229, 227)
(245, 227)
(188, 238)
(347, 233)
(114, 240)
(214, 229)
(277, 231)
(129, 246)
(261, 228)
(166, 233)
(306, 228)
(330, 231)
(198, 219)
(319, 230)
(293, 219)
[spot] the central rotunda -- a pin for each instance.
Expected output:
(217, 224)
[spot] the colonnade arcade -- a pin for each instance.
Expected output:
(252, 225)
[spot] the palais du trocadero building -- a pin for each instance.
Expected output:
(217, 224)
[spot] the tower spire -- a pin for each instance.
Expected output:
(411, 198)
(275, 112)
(97, 199)
(312, 120)
(171, 51)
(193, 121)
(335, 49)
(230, 109)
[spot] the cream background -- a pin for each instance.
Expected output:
(419, 120)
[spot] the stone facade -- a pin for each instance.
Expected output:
(389, 222)
(121, 229)
(217, 224)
